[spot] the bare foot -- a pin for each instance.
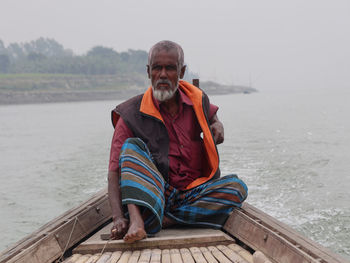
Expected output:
(136, 229)
(135, 233)
(167, 222)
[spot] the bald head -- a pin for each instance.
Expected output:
(167, 46)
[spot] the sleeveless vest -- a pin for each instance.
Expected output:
(145, 121)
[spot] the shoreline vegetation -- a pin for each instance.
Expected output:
(46, 88)
(43, 71)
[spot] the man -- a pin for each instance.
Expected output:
(164, 164)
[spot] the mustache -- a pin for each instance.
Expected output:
(163, 81)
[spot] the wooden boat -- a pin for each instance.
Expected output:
(249, 235)
(81, 235)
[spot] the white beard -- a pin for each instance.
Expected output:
(163, 95)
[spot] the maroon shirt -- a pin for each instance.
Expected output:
(185, 144)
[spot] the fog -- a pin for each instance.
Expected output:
(271, 44)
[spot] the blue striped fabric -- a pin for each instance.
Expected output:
(207, 205)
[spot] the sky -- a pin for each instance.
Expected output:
(268, 44)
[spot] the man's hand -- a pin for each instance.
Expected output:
(217, 128)
(120, 227)
(218, 132)
(120, 223)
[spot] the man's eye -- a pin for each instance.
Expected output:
(157, 68)
(170, 68)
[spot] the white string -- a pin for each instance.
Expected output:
(70, 236)
(104, 246)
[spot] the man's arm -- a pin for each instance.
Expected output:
(120, 223)
(217, 129)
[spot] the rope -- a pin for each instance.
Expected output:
(70, 236)
(103, 249)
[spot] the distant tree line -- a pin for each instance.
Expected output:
(48, 56)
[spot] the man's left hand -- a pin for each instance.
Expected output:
(217, 128)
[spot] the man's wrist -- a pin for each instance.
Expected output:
(116, 217)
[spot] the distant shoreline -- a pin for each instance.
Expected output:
(45, 88)
(56, 97)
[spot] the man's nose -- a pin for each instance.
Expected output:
(163, 73)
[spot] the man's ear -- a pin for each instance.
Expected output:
(183, 70)
(148, 72)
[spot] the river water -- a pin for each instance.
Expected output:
(292, 148)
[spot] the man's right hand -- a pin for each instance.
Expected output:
(120, 223)
(120, 227)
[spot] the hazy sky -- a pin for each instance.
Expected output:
(275, 44)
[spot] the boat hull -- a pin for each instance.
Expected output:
(249, 227)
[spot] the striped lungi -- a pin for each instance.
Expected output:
(206, 205)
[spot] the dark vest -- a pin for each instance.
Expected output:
(149, 129)
(152, 130)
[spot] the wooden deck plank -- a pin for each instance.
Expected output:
(242, 252)
(170, 232)
(104, 257)
(166, 256)
(156, 256)
(93, 258)
(125, 257)
(134, 256)
(145, 256)
(211, 254)
(114, 257)
(259, 257)
(83, 258)
(197, 255)
(175, 256)
(208, 256)
(230, 254)
(219, 255)
(186, 255)
(167, 238)
(72, 259)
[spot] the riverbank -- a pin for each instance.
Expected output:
(46, 88)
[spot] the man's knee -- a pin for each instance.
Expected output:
(135, 142)
(236, 183)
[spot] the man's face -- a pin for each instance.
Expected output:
(165, 73)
